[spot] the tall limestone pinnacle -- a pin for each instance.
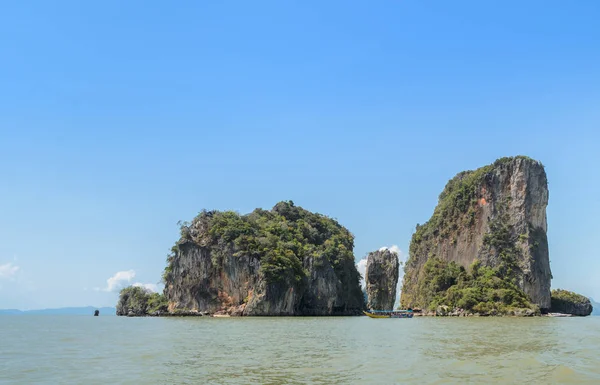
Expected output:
(494, 216)
(381, 279)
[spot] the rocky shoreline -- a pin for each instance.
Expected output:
(445, 311)
(442, 311)
(168, 314)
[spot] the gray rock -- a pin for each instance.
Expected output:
(441, 311)
(381, 279)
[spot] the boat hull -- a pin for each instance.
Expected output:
(390, 314)
(371, 315)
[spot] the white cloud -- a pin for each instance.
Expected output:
(148, 286)
(394, 249)
(8, 270)
(361, 266)
(122, 279)
(119, 280)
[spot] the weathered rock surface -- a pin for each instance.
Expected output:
(381, 279)
(511, 195)
(282, 262)
(442, 311)
(567, 302)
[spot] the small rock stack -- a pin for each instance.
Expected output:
(381, 278)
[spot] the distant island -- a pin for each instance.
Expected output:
(87, 310)
(484, 252)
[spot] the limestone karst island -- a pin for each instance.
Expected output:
(484, 251)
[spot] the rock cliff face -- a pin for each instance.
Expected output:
(286, 261)
(567, 302)
(381, 278)
(495, 215)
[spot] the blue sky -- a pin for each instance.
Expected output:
(117, 119)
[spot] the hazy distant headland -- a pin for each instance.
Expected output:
(483, 252)
(87, 310)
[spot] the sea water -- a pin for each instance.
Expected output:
(298, 350)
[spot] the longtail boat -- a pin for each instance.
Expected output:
(389, 313)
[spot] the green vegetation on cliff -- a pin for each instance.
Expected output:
(281, 239)
(479, 290)
(568, 296)
(139, 301)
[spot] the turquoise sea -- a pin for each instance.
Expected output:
(298, 350)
